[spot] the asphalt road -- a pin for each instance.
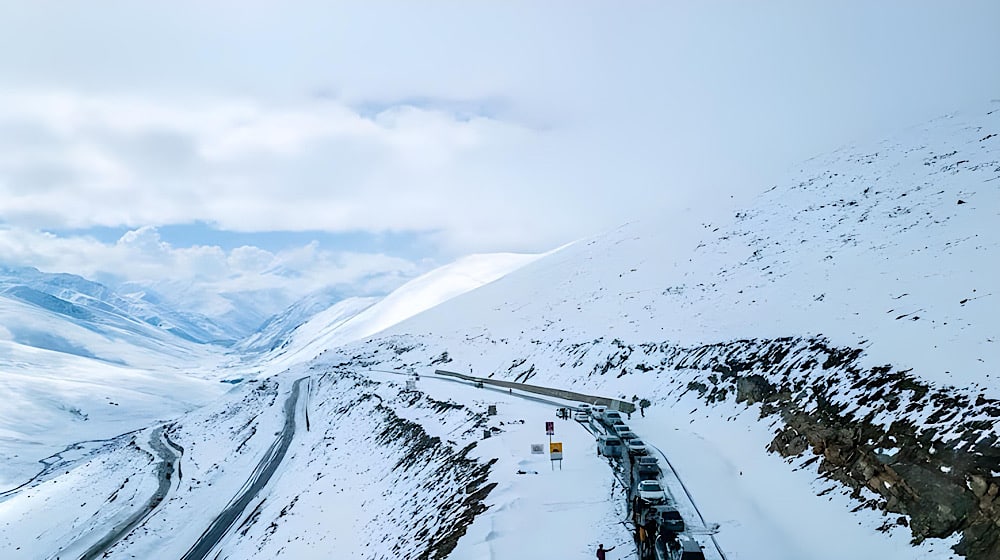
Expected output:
(259, 478)
(168, 462)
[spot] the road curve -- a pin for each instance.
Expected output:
(259, 478)
(168, 460)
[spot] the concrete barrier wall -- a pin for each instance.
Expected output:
(613, 404)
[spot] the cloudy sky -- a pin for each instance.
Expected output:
(238, 145)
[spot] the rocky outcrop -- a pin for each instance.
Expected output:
(927, 453)
(439, 534)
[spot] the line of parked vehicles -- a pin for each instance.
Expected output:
(659, 526)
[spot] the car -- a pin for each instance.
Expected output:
(611, 416)
(627, 435)
(636, 446)
(649, 460)
(652, 492)
(583, 407)
(619, 427)
(581, 416)
(597, 411)
(645, 471)
(690, 548)
(609, 446)
(668, 518)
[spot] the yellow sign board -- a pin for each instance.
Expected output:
(555, 453)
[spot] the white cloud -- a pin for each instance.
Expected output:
(204, 275)
(248, 167)
(511, 126)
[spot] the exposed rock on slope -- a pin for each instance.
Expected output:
(928, 452)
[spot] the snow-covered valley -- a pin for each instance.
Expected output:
(821, 368)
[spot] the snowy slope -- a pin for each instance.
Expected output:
(356, 318)
(56, 399)
(860, 296)
(80, 362)
(279, 331)
(889, 247)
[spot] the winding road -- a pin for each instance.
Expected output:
(169, 454)
(169, 460)
(259, 478)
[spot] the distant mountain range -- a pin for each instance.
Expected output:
(68, 313)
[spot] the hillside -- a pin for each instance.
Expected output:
(96, 306)
(79, 361)
(821, 368)
(314, 325)
(852, 310)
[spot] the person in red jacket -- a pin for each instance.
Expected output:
(602, 552)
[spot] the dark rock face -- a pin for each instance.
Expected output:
(943, 485)
(422, 450)
(753, 389)
(901, 444)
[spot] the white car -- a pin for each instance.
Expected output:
(581, 416)
(619, 427)
(635, 445)
(611, 417)
(652, 492)
(627, 435)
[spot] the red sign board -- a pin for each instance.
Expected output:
(550, 428)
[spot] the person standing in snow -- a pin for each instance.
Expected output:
(602, 552)
(642, 407)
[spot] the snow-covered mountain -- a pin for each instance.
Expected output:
(851, 311)
(81, 361)
(307, 329)
(228, 316)
(94, 306)
(275, 332)
(821, 368)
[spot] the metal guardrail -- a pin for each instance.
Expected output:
(612, 404)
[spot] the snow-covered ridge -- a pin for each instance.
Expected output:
(887, 247)
(95, 305)
(347, 320)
